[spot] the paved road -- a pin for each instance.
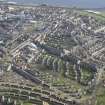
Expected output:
(25, 43)
(98, 52)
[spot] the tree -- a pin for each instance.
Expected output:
(55, 65)
(49, 62)
(67, 68)
(63, 68)
(44, 61)
(38, 58)
(59, 65)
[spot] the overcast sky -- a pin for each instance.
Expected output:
(79, 3)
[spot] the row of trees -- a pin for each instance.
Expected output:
(57, 65)
(64, 68)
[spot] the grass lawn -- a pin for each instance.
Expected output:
(101, 100)
(27, 104)
(100, 17)
(101, 96)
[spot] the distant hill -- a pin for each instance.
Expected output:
(77, 3)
